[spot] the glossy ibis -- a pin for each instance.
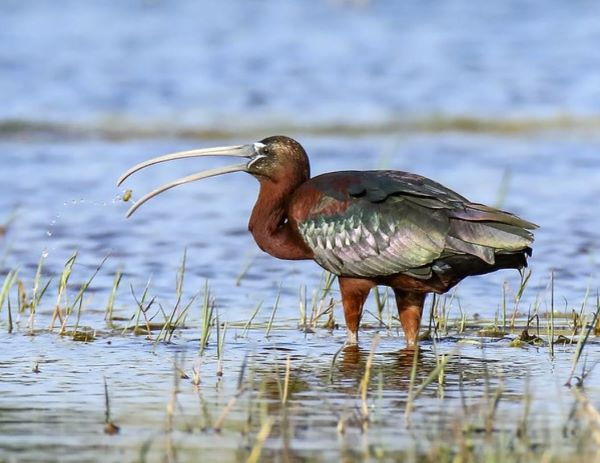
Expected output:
(379, 227)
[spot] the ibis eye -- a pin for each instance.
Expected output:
(266, 150)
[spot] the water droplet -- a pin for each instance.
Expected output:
(49, 233)
(65, 204)
(44, 253)
(73, 201)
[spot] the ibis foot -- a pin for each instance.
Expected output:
(352, 338)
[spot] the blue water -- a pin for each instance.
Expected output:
(88, 89)
(497, 100)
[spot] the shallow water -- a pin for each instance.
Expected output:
(490, 100)
(58, 412)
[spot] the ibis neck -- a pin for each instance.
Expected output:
(269, 223)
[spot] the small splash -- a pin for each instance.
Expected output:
(52, 224)
(91, 202)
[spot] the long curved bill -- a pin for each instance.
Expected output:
(242, 151)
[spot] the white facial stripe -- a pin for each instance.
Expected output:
(258, 147)
(256, 158)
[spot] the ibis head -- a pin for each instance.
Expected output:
(273, 159)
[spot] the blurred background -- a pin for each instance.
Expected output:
(199, 65)
(497, 100)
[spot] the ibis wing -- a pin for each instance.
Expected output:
(376, 223)
(372, 239)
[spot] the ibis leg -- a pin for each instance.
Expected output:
(410, 309)
(354, 294)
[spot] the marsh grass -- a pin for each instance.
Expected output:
(9, 282)
(358, 407)
(240, 390)
(221, 333)
(37, 292)
(415, 391)
(286, 381)
(172, 320)
(62, 288)
(524, 281)
(175, 319)
(142, 310)
(322, 303)
(273, 311)
(581, 343)
(441, 307)
(248, 324)
(79, 299)
(363, 388)
(442, 322)
(245, 269)
(208, 310)
(110, 428)
(261, 437)
(110, 305)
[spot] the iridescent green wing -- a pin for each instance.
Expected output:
(376, 223)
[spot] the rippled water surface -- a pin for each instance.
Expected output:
(498, 101)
